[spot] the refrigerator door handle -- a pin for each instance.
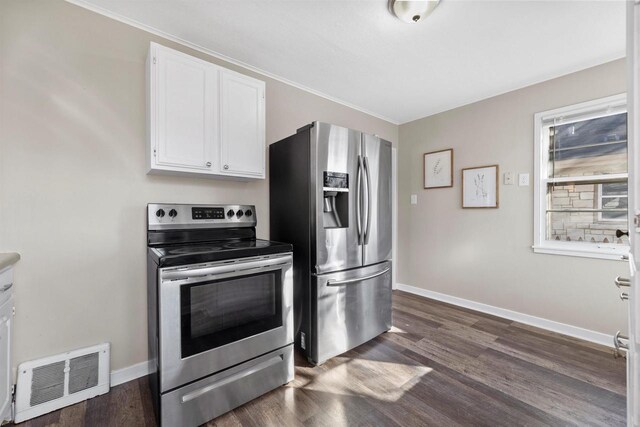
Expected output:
(358, 200)
(367, 227)
(357, 279)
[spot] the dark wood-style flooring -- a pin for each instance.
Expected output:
(440, 365)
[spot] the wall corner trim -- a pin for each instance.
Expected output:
(129, 373)
(550, 325)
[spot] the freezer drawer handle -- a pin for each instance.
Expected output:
(259, 367)
(357, 279)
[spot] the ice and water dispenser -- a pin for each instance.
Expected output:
(336, 200)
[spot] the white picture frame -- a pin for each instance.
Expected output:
(438, 169)
(480, 187)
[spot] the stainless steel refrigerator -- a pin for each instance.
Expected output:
(330, 196)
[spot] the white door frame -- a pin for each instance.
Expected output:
(633, 99)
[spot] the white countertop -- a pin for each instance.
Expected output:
(7, 259)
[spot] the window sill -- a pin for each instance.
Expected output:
(613, 252)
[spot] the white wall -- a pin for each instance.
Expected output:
(485, 255)
(73, 188)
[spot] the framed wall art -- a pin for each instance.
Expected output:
(480, 187)
(438, 169)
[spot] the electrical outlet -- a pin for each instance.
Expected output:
(508, 178)
(523, 180)
(414, 199)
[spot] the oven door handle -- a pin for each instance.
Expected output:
(193, 273)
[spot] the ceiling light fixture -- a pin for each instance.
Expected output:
(411, 11)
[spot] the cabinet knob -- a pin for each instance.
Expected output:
(208, 164)
(226, 166)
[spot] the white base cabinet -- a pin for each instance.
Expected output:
(6, 312)
(202, 118)
(6, 315)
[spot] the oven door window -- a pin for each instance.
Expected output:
(223, 311)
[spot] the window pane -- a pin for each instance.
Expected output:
(615, 216)
(568, 221)
(585, 227)
(614, 188)
(589, 147)
(614, 203)
(573, 196)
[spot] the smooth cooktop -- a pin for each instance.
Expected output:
(169, 256)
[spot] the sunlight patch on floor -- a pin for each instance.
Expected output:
(363, 377)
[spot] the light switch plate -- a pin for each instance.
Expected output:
(523, 180)
(508, 178)
(414, 199)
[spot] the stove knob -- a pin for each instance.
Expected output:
(248, 212)
(239, 213)
(173, 213)
(160, 213)
(230, 213)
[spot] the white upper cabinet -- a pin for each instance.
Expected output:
(183, 112)
(242, 145)
(202, 118)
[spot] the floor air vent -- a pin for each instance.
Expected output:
(54, 382)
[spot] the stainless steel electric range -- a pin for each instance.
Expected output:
(220, 311)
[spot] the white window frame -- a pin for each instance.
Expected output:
(615, 103)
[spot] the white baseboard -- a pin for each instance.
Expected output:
(129, 373)
(550, 325)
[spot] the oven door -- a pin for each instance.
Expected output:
(216, 315)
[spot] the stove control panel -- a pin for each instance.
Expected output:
(162, 216)
(207, 213)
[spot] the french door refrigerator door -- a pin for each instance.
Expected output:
(353, 307)
(377, 196)
(335, 152)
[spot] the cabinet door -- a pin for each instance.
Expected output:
(183, 97)
(5, 361)
(242, 145)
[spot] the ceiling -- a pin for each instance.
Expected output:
(357, 53)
